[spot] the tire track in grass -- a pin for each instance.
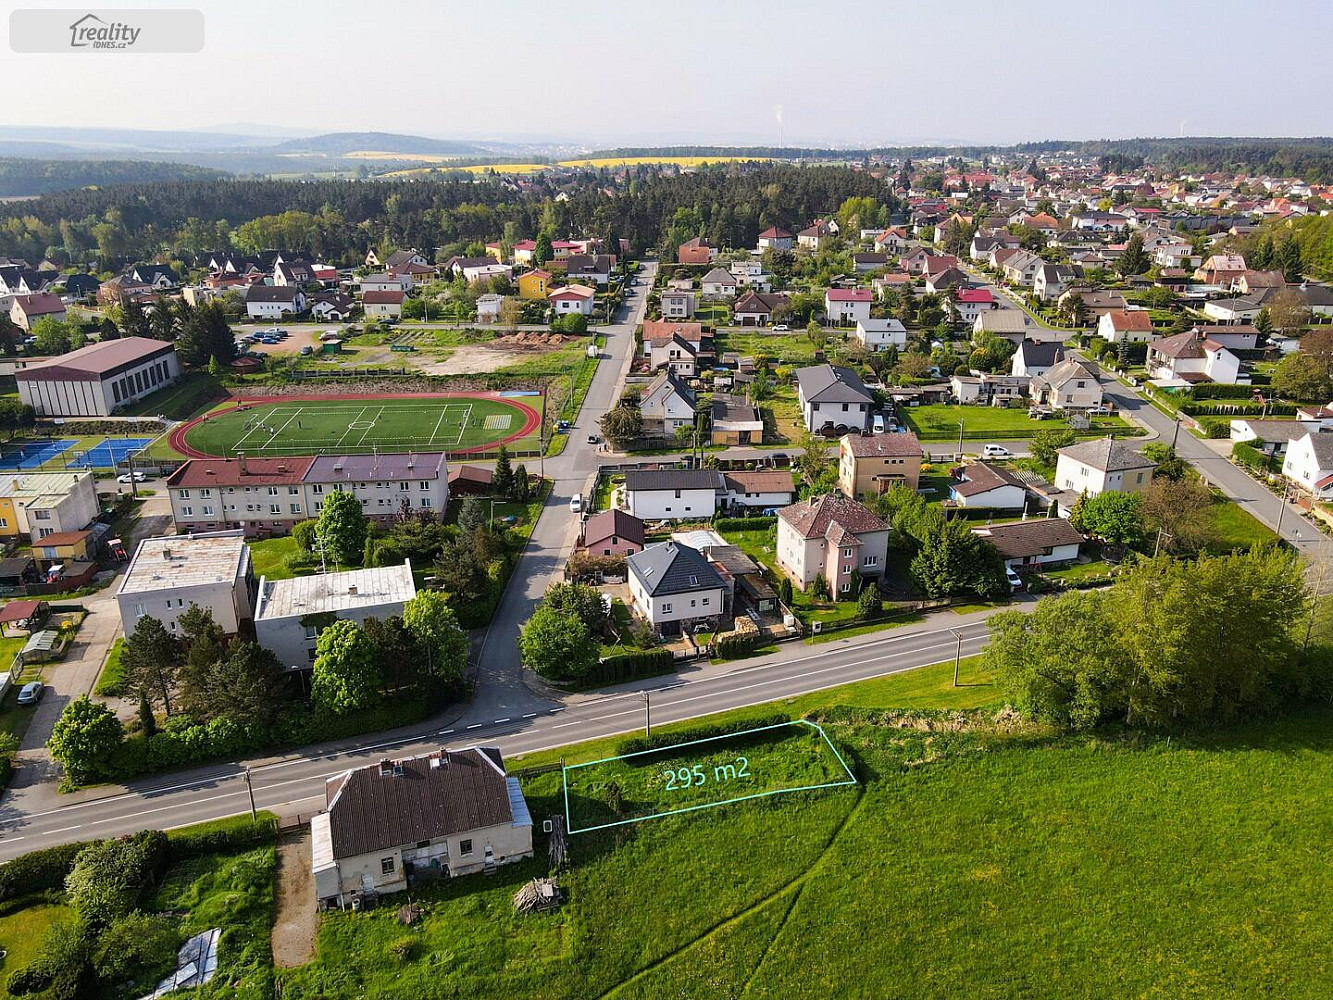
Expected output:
(798, 883)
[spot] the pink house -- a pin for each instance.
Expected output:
(613, 533)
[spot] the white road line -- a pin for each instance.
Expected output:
(531, 715)
(498, 722)
(476, 725)
(445, 732)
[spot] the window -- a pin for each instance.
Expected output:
(45, 515)
(317, 489)
(425, 487)
(465, 847)
(425, 501)
(296, 508)
(846, 586)
(205, 493)
(386, 866)
(272, 491)
(423, 843)
(275, 508)
(293, 491)
(871, 561)
(706, 602)
(847, 553)
(185, 494)
(208, 510)
(666, 609)
(404, 487)
(187, 511)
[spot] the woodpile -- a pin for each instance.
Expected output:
(409, 914)
(538, 895)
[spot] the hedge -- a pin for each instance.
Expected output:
(737, 644)
(1237, 409)
(743, 523)
(222, 835)
(658, 741)
(38, 871)
(1219, 390)
(628, 666)
(1248, 455)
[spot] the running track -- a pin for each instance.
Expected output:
(532, 419)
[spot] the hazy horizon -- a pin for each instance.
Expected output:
(738, 73)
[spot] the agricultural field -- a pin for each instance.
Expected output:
(676, 161)
(444, 163)
(939, 422)
(315, 425)
(976, 857)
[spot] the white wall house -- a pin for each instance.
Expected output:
(881, 334)
(844, 306)
(274, 301)
(672, 495)
(1102, 466)
(666, 403)
(673, 586)
(168, 574)
(1309, 463)
(1035, 544)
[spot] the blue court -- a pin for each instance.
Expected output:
(31, 456)
(109, 454)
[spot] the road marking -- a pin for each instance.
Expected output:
(498, 721)
(476, 725)
(531, 715)
(445, 732)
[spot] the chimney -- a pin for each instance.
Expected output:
(386, 768)
(241, 456)
(351, 589)
(166, 554)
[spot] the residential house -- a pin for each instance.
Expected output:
(695, 251)
(417, 275)
(389, 485)
(674, 586)
(735, 421)
(871, 464)
(757, 308)
(1021, 268)
(1309, 464)
(1096, 302)
(666, 404)
(168, 574)
(64, 547)
(99, 379)
(672, 494)
(681, 347)
(881, 334)
(1050, 280)
(844, 306)
(1253, 281)
(831, 536)
(332, 306)
(384, 283)
(1237, 309)
(942, 282)
(719, 283)
(36, 505)
(833, 398)
(1221, 269)
(969, 303)
(488, 307)
(816, 236)
(274, 301)
(775, 238)
(677, 304)
(285, 610)
(872, 261)
(893, 240)
(1033, 358)
(984, 486)
(1187, 358)
(1100, 466)
(1069, 385)
(450, 812)
(569, 299)
(985, 389)
(763, 489)
(1034, 545)
(1011, 324)
(589, 268)
(1234, 337)
(534, 284)
(402, 258)
(260, 496)
(1125, 326)
(611, 533)
(26, 310)
(383, 305)
(1272, 437)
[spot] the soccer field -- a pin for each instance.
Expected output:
(348, 426)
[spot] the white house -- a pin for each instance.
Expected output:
(488, 307)
(274, 301)
(881, 334)
(572, 299)
(666, 403)
(677, 304)
(832, 396)
(1033, 358)
(968, 303)
(1102, 466)
(719, 283)
(1309, 463)
(1034, 545)
(283, 607)
(1070, 385)
(1272, 437)
(673, 586)
(672, 494)
(760, 490)
(983, 485)
(847, 305)
(1118, 325)
(1187, 358)
(168, 574)
(383, 305)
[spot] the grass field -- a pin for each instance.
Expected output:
(977, 858)
(939, 422)
(21, 933)
(345, 426)
(1234, 527)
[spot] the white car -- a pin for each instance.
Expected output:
(996, 451)
(576, 503)
(1099, 411)
(781, 328)
(31, 693)
(1015, 582)
(126, 478)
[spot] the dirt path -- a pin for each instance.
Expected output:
(294, 924)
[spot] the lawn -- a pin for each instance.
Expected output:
(784, 348)
(1234, 527)
(939, 422)
(20, 934)
(976, 858)
(314, 426)
(280, 559)
(111, 681)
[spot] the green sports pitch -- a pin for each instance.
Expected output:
(352, 426)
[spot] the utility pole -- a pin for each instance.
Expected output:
(1176, 433)
(254, 815)
(134, 487)
(960, 440)
(957, 655)
(647, 713)
(1282, 508)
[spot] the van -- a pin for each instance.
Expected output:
(996, 451)
(576, 503)
(877, 424)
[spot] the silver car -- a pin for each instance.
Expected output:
(31, 693)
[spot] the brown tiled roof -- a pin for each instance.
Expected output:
(829, 515)
(387, 297)
(422, 798)
(1029, 538)
(227, 472)
(983, 477)
(101, 359)
(903, 445)
(660, 331)
(1131, 319)
(614, 522)
(1182, 345)
(777, 481)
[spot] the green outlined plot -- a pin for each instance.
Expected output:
(699, 774)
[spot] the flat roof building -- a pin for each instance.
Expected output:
(169, 573)
(96, 380)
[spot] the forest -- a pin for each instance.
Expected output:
(21, 177)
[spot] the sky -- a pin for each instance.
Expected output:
(793, 72)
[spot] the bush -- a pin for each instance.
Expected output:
(136, 942)
(1216, 429)
(1248, 455)
(61, 970)
(658, 741)
(737, 644)
(1219, 390)
(628, 666)
(303, 533)
(109, 876)
(228, 835)
(111, 681)
(38, 871)
(743, 523)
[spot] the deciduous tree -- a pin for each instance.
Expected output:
(346, 675)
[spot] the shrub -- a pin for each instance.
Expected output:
(303, 533)
(404, 949)
(38, 871)
(734, 644)
(627, 666)
(134, 942)
(1248, 455)
(109, 875)
(868, 604)
(223, 835)
(743, 523)
(61, 970)
(111, 682)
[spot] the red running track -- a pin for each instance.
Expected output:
(532, 419)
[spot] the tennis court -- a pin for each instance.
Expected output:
(32, 456)
(109, 454)
(314, 426)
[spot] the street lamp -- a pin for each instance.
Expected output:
(647, 713)
(958, 653)
(960, 440)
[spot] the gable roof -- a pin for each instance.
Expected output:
(101, 359)
(847, 295)
(719, 274)
(759, 302)
(1029, 538)
(232, 472)
(421, 798)
(900, 445)
(659, 332)
(40, 304)
(672, 479)
(831, 383)
(274, 293)
(1130, 319)
(982, 477)
(1041, 355)
(672, 568)
(1106, 455)
(612, 523)
(761, 481)
(831, 515)
(1065, 371)
(667, 380)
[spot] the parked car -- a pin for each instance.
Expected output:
(996, 451)
(576, 503)
(877, 423)
(592, 439)
(1015, 581)
(307, 351)
(126, 478)
(1099, 411)
(781, 328)
(31, 693)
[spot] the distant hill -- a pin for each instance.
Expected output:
(383, 142)
(22, 177)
